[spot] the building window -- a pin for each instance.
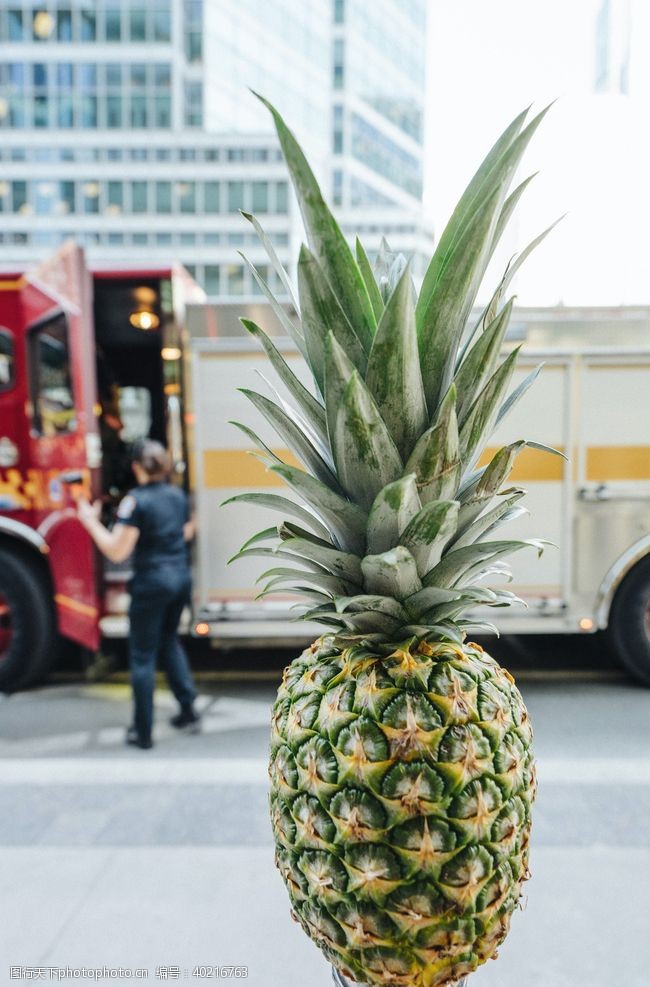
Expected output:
(235, 196)
(67, 200)
(87, 25)
(260, 202)
(114, 198)
(162, 23)
(19, 197)
(138, 197)
(138, 24)
(64, 25)
(193, 23)
(186, 196)
(211, 197)
(16, 30)
(139, 117)
(87, 114)
(90, 197)
(385, 157)
(281, 197)
(212, 279)
(337, 187)
(162, 112)
(235, 279)
(163, 197)
(338, 68)
(113, 22)
(193, 104)
(114, 111)
(337, 130)
(339, 11)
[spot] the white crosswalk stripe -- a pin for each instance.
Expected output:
(253, 771)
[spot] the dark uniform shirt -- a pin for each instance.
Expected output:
(159, 511)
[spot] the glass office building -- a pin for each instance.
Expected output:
(130, 126)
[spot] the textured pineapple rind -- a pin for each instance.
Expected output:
(401, 791)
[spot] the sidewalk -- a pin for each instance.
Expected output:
(163, 860)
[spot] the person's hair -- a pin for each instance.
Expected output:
(152, 457)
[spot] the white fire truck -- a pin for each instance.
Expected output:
(591, 401)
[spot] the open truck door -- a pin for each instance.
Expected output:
(51, 582)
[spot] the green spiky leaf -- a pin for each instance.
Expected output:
(336, 563)
(346, 520)
(311, 408)
(393, 374)
(392, 573)
(479, 363)
(293, 331)
(429, 531)
(275, 502)
(299, 443)
(365, 455)
(374, 293)
(322, 313)
(436, 457)
(325, 238)
(482, 416)
(273, 257)
(392, 509)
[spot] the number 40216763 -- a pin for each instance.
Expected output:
(221, 972)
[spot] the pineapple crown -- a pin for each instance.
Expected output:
(392, 531)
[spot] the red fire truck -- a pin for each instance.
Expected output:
(87, 360)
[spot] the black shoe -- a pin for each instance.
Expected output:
(186, 718)
(134, 738)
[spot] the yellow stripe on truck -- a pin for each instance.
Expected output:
(618, 463)
(239, 468)
(531, 464)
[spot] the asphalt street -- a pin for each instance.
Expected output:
(162, 860)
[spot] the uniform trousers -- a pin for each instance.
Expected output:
(158, 597)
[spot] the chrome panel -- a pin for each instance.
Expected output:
(22, 531)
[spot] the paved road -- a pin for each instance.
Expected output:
(118, 857)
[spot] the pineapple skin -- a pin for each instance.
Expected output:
(401, 795)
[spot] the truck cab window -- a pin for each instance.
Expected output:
(51, 381)
(6, 360)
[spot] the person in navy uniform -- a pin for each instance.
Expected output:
(154, 525)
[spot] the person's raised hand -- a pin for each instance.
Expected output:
(87, 512)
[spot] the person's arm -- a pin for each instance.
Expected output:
(189, 529)
(115, 545)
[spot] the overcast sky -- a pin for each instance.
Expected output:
(490, 58)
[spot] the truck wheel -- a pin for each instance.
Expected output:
(27, 631)
(629, 622)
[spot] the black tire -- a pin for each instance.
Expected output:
(28, 640)
(629, 622)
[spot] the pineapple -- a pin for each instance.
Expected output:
(402, 774)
